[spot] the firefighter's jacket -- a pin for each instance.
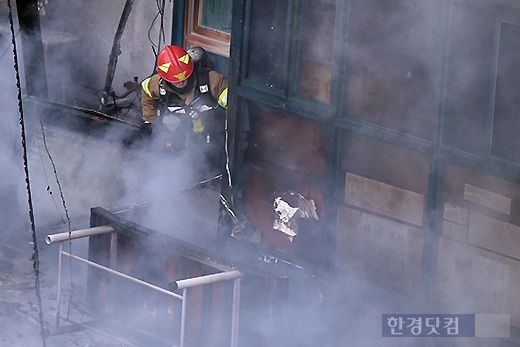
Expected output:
(184, 116)
(151, 97)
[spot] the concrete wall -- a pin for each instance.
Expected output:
(78, 38)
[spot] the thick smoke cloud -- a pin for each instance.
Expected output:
(95, 171)
(71, 171)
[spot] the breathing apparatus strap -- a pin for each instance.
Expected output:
(202, 80)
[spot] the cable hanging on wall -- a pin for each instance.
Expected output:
(156, 48)
(66, 211)
(35, 256)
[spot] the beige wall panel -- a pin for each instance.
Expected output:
(454, 231)
(472, 280)
(494, 234)
(379, 248)
(488, 199)
(455, 214)
(384, 199)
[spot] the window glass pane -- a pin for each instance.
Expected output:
(267, 41)
(317, 34)
(216, 14)
(392, 58)
(469, 78)
(506, 126)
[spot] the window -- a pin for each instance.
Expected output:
(316, 41)
(267, 42)
(507, 97)
(392, 56)
(469, 78)
(208, 24)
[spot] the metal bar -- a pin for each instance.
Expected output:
(33, 51)
(493, 92)
(183, 316)
(201, 280)
(236, 313)
(292, 54)
(76, 234)
(339, 58)
(113, 249)
(113, 265)
(181, 284)
(120, 274)
(58, 304)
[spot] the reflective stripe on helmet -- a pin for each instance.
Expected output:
(222, 99)
(185, 59)
(165, 67)
(144, 85)
(181, 76)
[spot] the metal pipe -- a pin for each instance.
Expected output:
(113, 249)
(175, 285)
(183, 317)
(235, 319)
(58, 303)
(76, 234)
(120, 274)
(197, 281)
(113, 265)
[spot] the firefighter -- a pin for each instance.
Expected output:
(187, 100)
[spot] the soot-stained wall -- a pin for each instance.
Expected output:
(78, 38)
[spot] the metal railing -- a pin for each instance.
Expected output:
(183, 285)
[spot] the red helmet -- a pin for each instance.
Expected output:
(174, 64)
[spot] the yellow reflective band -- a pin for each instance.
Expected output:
(145, 86)
(198, 127)
(181, 76)
(165, 67)
(185, 59)
(222, 99)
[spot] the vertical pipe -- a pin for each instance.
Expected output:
(58, 304)
(113, 249)
(433, 205)
(179, 8)
(183, 316)
(236, 312)
(32, 45)
(113, 291)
